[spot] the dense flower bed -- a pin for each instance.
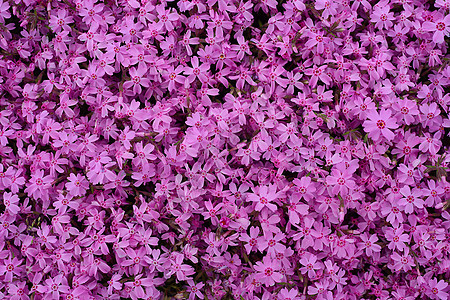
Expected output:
(224, 149)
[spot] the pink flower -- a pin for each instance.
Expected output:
(341, 182)
(304, 187)
(286, 294)
(18, 291)
(136, 260)
(329, 8)
(440, 27)
(143, 153)
(405, 147)
(10, 201)
(242, 48)
(195, 289)
(10, 267)
(126, 136)
(433, 193)
(411, 199)
(263, 196)
(77, 185)
(166, 18)
(251, 240)
(397, 238)
(272, 243)
(66, 142)
(436, 289)
(317, 73)
(181, 270)
(138, 284)
(393, 212)
(430, 113)
(381, 15)
(406, 110)
(137, 79)
(55, 161)
(39, 185)
(296, 209)
(402, 262)
(4, 11)
(431, 144)
(310, 263)
(268, 271)
(60, 21)
(114, 283)
(380, 123)
(173, 76)
(369, 244)
(343, 246)
(197, 71)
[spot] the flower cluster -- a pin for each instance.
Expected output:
(224, 149)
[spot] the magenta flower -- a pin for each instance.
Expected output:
(251, 240)
(197, 71)
(402, 262)
(382, 17)
(341, 182)
(138, 79)
(173, 76)
(431, 144)
(195, 290)
(411, 199)
(286, 294)
(137, 286)
(406, 110)
(242, 48)
(10, 201)
(433, 193)
(263, 196)
(224, 149)
(181, 270)
(397, 238)
(4, 11)
(440, 28)
(343, 246)
(39, 185)
(393, 213)
(77, 185)
(136, 260)
(437, 289)
(272, 243)
(430, 114)
(166, 17)
(55, 286)
(10, 267)
(310, 265)
(60, 21)
(369, 244)
(304, 187)
(296, 210)
(114, 283)
(405, 147)
(380, 124)
(317, 73)
(268, 271)
(125, 138)
(55, 160)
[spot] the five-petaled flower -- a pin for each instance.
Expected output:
(380, 124)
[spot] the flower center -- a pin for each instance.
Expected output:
(381, 124)
(440, 26)
(268, 272)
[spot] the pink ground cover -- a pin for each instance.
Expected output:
(224, 149)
